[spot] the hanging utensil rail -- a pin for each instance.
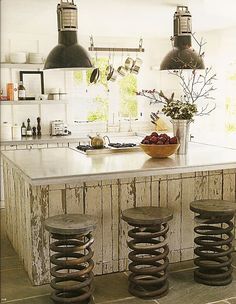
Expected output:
(115, 49)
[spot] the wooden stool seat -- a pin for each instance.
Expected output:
(214, 241)
(68, 224)
(149, 250)
(147, 215)
(213, 207)
(72, 257)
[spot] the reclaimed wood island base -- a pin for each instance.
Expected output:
(43, 183)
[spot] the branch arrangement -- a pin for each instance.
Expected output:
(197, 86)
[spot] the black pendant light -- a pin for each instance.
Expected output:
(68, 54)
(183, 56)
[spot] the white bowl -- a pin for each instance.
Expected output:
(19, 57)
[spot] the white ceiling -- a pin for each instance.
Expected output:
(118, 18)
(152, 18)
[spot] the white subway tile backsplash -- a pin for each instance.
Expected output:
(51, 112)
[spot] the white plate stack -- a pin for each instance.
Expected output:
(35, 58)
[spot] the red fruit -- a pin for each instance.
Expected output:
(160, 142)
(173, 140)
(154, 134)
(146, 142)
(147, 137)
(153, 139)
(167, 142)
(164, 136)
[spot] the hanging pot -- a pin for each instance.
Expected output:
(136, 66)
(95, 76)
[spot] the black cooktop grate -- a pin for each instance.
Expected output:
(121, 145)
(85, 148)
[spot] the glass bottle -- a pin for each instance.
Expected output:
(21, 91)
(23, 129)
(28, 129)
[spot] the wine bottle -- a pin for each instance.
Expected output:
(23, 129)
(21, 91)
(28, 129)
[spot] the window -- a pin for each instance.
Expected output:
(108, 100)
(230, 119)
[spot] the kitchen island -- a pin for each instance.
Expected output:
(45, 182)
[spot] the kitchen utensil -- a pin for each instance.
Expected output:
(97, 142)
(113, 75)
(122, 71)
(19, 57)
(159, 151)
(136, 66)
(129, 62)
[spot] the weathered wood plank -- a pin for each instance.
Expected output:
(39, 199)
(93, 206)
(215, 185)
(187, 218)
(127, 199)
(174, 203)
(115, 225)
(143, 191)
(75, 200)
(107, 228)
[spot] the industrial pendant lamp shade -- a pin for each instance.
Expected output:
(182, 56)
(68, 54)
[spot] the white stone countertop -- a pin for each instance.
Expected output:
(64, 165)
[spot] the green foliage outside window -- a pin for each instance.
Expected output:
(100, 113)
(128, 98)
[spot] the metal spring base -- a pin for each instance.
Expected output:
(148, 278)
(213, 250)
(73, 277)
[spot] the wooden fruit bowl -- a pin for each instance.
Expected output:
(160, 151)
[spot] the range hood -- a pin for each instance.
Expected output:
(182, 56)
(68, 54)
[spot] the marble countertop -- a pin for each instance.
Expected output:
(65, 165)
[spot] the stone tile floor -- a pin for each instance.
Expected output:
(111, 288)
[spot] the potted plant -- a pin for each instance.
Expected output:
(195, 100)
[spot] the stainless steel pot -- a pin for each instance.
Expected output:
(112, 75)
(122, 71)
(95, 76)
(136, 66)
(129, 62)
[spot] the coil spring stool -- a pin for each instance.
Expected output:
(214, 243)
(149, 261)
(73, 276)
